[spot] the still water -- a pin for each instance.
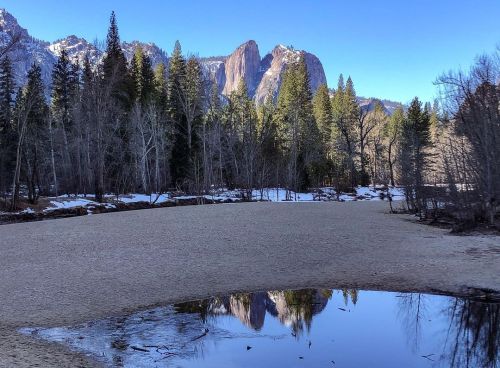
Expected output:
(296, 328)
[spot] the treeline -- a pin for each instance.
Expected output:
(120, 127)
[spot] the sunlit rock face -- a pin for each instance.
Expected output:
(295, 308)
(242, 64)
(263, 77)
(274, 65)
(250, 309)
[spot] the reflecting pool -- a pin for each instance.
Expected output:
(296, 328)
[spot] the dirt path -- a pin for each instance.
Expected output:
(72, 270)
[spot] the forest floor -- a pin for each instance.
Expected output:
(73, 270)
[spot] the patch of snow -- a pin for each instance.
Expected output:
(70, 203)
(325, 193)
(132, 198)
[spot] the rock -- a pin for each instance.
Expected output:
(274, 64)
(214, 68)
(156, 54)
(77, 48)
(28, 50)
(243, 63)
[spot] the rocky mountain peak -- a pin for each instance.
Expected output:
(27, 51)
(77, 48)
(9, 24)
(274, 64)
(288, 51)
(369, 104)
(156, 54)
(243, 63)
(214, 69)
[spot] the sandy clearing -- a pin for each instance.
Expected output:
(72, 270)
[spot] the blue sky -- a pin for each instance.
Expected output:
(392, 49)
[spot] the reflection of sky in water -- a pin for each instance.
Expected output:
(304, 328)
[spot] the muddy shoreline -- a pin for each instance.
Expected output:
(77, 269)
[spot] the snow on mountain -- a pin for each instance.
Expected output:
(30, 50)
(77, 48)
(274, 64)
(156, 54)
(214, 68)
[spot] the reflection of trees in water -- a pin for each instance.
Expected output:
(474, 336)
(296, 308)
(412, 311)
(472, 339)
(350, 293)
(205, 308)
(293, 308)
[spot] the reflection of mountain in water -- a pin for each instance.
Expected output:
(293, 308)
(453, 332)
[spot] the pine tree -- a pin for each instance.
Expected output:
(416, 138)
(6, 93)
(7, 133)
(392, 133)
(350, 101)
(34, 105)
(192, 97)
(94, 112)
(142, 76)
(297, 129)
(179, 162)
(269, 158)
(115, 71)
(345, 113)
(160, 85)
(118, 84)
(245, 117)
(213, 136)
(311, 151)
(65, 86)
(35, 92)
(322, 107)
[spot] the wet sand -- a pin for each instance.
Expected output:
(73, 270)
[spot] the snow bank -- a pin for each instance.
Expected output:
(133, 198)
(59, 203)
(224, 195)
(326, 194)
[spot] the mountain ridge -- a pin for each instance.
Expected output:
(262, 75)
